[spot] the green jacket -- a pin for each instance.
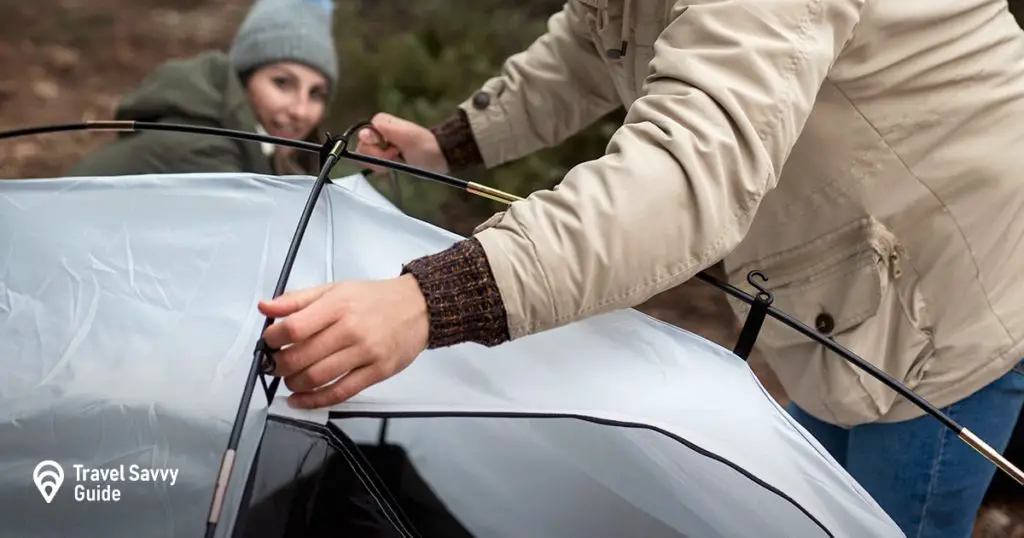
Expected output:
(203, 90)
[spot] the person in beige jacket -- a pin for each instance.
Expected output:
(866, 156)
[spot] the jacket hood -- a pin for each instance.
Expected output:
(203, 89)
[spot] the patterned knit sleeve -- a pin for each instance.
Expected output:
(455, 136)
(463, 300)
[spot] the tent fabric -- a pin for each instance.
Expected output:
(361, 187)
(128, 318)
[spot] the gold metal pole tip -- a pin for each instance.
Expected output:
(992, 455)
(491, 193)
(336, 150)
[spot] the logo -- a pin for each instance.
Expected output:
(98, 484)
(48, 476)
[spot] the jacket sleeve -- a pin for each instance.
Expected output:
(552, 90)
(153, 152)
(731, 86)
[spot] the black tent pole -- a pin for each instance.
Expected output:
(335, 149)
(262, 357)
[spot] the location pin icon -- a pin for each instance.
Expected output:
(48, 476)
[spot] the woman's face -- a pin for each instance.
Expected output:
(289, 99)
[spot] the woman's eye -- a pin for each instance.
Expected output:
(281, 82)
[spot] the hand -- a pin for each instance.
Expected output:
(362, 332)
(418, 146)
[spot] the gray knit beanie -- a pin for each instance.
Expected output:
(288, 30)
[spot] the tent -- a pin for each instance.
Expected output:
(127, 325)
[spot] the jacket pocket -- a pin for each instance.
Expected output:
(609, 27)
(650, 21)
(643, 54)
(854, 285)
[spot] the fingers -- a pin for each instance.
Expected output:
(338, 342)
(291, 302)
(370, 141)
(391, 126)
(306, 316)
(319, 373)
(300, 356)
(370, 144)
(351, 384)
(401, 138)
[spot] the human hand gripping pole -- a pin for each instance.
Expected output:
(335, 149)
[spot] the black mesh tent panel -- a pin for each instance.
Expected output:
(312, 481)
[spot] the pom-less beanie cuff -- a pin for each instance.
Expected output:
(253, 51)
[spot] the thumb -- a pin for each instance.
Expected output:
(395, 130)
(373, 139)
(291, 302)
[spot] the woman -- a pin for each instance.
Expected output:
(863, 155)
(278, 78)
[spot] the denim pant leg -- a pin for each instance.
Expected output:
(929, 481)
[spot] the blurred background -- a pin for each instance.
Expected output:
(72, 60)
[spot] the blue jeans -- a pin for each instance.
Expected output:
(929, 481)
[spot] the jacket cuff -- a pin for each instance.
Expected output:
(463, 300)
(455, 136)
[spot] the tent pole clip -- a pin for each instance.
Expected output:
(267, 362)
(755, 318)
(329, 142)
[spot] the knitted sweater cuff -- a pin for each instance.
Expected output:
(455, 136)
(463, 300)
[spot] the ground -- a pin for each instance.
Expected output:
(70, 60)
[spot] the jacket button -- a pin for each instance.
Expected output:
(824, 323)
(481, 100)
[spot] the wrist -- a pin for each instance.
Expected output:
(439, 162)
(415, 309)
(411, 290)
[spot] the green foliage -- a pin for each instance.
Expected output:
(419, 60)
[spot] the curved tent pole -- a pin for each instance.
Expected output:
(262, 357)
(334, 149)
